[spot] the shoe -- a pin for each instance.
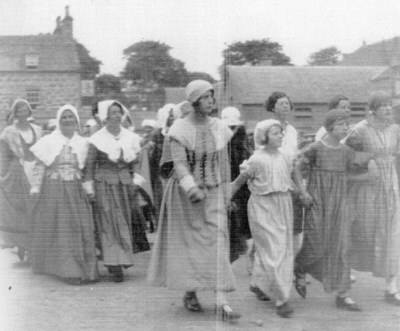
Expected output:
(352, 278)
(116, 271)
(21, 253)
(284, 310)
(300, 284)
(191, 302)
(392, 298)
(260, 294)
(347, 303)
(228, 314)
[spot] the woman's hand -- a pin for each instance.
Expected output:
(306, 199)
(196, 195)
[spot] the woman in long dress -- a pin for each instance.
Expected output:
(63, 236)
(191, 249)
(109, 173)
(16, 164)
(375, 202)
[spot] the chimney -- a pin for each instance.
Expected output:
(66, 24)
(57, 30)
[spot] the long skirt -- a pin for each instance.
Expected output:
(271, 224)
(15, 208)
(191, 250)
(375, 219)
(121, 233)
(63, 236)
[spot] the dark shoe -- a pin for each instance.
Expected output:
(260, 294)
(391, 298)
(191, 302)
(284, 310)
(228, 314)
(300, 284)
(116, 271)
(342, 303)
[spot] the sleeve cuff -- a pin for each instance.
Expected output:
(88, 187)
(187, 183)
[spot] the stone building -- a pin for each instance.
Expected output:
(48, 70)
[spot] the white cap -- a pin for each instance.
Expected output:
(196, 88)
(231, 116)
(150, 123)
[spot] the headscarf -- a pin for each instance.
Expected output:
(231, 116)
(103, 107)
(196, 88)
(50, 146)
(18, 103)
(163, 115)
(151, 123)
(262, 129)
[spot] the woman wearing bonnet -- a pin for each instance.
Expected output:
(63, 236)
(16, 171)
(112, 156)
(191, 251)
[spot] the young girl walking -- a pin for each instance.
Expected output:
(324, 254)
(268, 174)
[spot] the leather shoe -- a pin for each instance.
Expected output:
(392, 298)
(347, 303)
(228, 314)
(191, 302)
(300, 284)
(284, 310)
(260, 294)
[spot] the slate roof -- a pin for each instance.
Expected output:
(56, 53)
(383, 53)
(306, 84)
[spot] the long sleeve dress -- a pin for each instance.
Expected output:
(324, 254)
(270, 211)
(109, 168)
(63, 242)
(15, 205)
(191, 250)
(375, 203)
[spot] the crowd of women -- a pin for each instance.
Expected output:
(68, 201)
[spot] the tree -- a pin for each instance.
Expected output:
(149, 63)
(253, 52)
(90, 66)
(108, 87)
(325, 57)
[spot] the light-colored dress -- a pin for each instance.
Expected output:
(191, 250)
(375, 203)
(324, 251)
(63, 242)
(15, 205)
(270, 213)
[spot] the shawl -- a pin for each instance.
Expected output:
(127, 142)
(50, 146)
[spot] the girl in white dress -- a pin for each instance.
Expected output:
(268, 174)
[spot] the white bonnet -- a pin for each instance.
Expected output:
(196, 88)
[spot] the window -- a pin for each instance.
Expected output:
(32, 61)
(302, 112)
(32, 96)
(357, 112)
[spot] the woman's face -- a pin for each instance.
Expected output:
(275, 137)
(344, 105)
(114, 115)
(68, 121)
(22, 113)
(206, 102)
(340, 129)
(282, 107)
(384, 112)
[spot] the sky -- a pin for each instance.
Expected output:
(198, 31)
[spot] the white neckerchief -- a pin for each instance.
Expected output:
(50, 146)
(127, 142)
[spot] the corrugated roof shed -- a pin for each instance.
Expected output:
(308, 84)
(55, 53)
